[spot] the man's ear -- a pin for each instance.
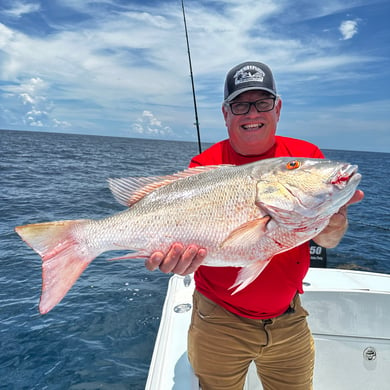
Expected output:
(225, 112)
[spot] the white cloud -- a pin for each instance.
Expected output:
(105, 62)
(35, 108)
(35, 118)
(20, 8)
(348, 29)
(149, 125)
(26, 98)
(60, 124)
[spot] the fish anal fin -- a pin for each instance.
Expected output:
(130, 190)
(248, 233)
(248, 274)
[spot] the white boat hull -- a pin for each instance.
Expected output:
(349, 319)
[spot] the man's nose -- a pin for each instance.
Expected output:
(252, 108)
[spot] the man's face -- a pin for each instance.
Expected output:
(252, 133)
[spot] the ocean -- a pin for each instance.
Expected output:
(101, 335)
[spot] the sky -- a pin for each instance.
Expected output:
(120, 68)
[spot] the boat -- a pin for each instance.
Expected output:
(349, 318)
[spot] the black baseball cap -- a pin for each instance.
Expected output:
(249, 76)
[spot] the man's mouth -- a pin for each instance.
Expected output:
(253, 126)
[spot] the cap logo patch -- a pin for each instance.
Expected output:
(248, 74)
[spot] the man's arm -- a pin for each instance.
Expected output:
(338, 224)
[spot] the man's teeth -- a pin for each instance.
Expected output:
(253, 126)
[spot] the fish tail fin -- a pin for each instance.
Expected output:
(64, 256)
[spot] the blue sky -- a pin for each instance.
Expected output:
(116, 67)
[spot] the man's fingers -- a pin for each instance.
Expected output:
(196, 262)
(357, 197)
(166, 262)
(179, 260)
(185, 260)
(154, 261)
(172, 258)
(191, 259)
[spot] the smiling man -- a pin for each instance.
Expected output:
(251, 127)
(265, 321)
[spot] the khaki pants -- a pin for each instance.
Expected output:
(221, 345)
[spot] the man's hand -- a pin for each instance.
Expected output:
(178, 259)
(338, 224)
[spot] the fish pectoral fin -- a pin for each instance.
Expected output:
(248, 233)
(248, 274)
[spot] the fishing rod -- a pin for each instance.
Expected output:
(192, 77)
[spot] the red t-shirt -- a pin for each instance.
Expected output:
(270, 294)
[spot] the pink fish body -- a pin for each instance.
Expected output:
(243, 216)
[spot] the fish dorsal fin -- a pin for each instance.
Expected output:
(130, 190)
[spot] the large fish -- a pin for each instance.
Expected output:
(242, 215)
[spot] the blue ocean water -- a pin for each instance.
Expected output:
(101, 335)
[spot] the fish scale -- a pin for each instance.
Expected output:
(242, 215)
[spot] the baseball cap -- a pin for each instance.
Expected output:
(249, 76)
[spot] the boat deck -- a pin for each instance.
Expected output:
(349, 319)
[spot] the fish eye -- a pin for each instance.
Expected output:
(294, 164)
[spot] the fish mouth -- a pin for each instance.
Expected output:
(252, 126)
(344, 175)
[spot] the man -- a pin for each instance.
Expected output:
(264, 322)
